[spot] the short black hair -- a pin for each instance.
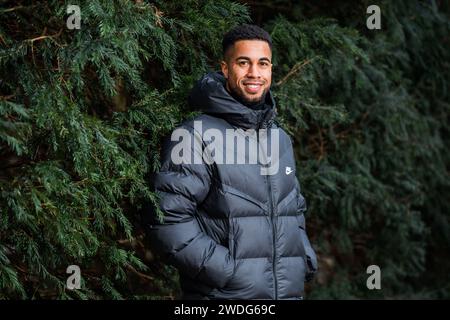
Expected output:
(245, 32)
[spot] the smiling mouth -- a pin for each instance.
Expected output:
(252, 87)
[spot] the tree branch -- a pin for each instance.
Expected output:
(140, 274)
(45, 37)
(12, 9)
(296, 68)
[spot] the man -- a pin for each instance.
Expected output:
(234, 230)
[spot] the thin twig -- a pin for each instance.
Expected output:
(45, 37)
(322, 149)
(12, 9)
(297, 67)
(7, 97)
(140, 274)
(268, 5)
(3, 40)
(128, 241)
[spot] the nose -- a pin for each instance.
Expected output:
(253, 71)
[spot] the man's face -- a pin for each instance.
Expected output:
(248, 69)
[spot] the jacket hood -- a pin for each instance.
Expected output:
(211, 97)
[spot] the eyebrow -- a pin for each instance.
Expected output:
(247, 58)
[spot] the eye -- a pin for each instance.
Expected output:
(243, 63)
(264, 64)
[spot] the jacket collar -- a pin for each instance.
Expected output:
(209, 94)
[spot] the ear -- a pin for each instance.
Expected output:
(224, 67)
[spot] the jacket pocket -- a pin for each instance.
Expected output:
(308, 252)
(288, 204)
(226, 189)
(302, 233)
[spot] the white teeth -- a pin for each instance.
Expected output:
(252, 86)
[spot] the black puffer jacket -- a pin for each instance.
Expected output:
(232, 232)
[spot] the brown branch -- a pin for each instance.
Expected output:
(7, 97)
(18, 8)
(296, 68)
(12, 9)
(158, 14)
(3, 40)
(322, 149)
(140, 274)
(268, 5)
(45, 37)
(130, 241)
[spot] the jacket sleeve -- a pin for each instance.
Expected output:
(178, 237)
(311, 259)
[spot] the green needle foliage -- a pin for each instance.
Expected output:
(83, 112)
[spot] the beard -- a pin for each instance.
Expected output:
(238, 94)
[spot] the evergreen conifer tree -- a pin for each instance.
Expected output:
(83, 111)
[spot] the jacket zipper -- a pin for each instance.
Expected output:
(272, 220)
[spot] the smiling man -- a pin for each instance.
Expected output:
(234, 231)
(247, 68)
